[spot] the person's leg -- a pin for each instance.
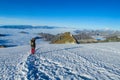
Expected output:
(32, 50)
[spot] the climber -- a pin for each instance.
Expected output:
(33, 45)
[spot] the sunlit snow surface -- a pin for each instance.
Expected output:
(99, 61)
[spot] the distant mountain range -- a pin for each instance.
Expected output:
(99, 32)
(27, 27)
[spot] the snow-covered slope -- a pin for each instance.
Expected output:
(10, 58)
(99, 61)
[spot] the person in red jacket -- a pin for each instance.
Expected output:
(33, 45)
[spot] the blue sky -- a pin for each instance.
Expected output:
(83, 14)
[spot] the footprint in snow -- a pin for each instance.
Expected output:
(33, 72)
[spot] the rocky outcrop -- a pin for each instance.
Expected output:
(2, 46)
(112, 39)
(84, 38)
(65, 38)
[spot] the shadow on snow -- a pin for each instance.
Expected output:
(33, 72)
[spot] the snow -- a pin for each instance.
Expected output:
(9, 60)
(98, 61)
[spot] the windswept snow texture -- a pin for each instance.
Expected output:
(99, 61)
